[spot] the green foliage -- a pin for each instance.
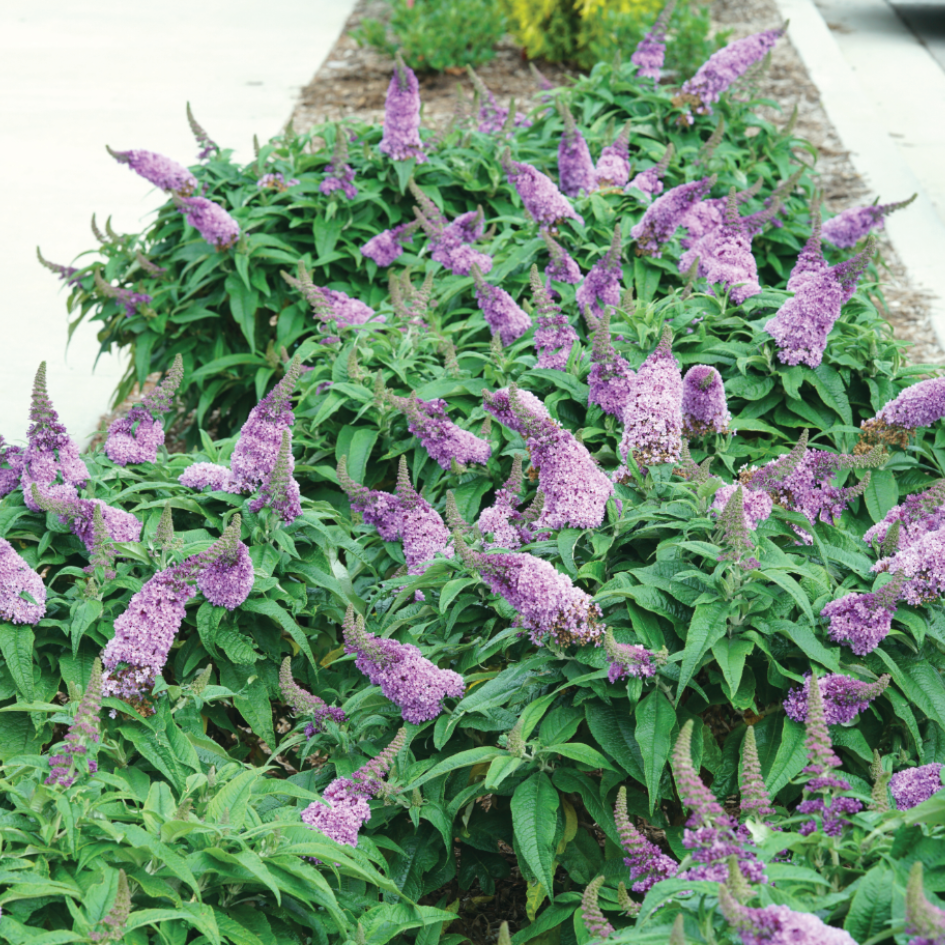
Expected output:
(433, 35)
(198, 797)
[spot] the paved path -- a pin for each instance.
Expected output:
(80, 74)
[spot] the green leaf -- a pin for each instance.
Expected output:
(583, 753)
(708, 625)
(233, 798)
(452, 589)
(534, 819)
(788, 583)
(243, 304)
(612, 727)
(881, 494)
(500, 769)
(567, 539)
(871, 910)
(281, 616)
(656, 725)
(832, 392)
(355, 443)
(255, 707)
(462, 759)
(791, 757)
(730, 655)
(16, 645)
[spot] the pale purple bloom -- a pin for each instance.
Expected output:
(467, 227)
(861, 621)
(502, 313)
(704, 407)
(546, 205)
(601, 286)
(802, 324)
(281, 491)
(17, 578)
(441, 438)
(920, 568)
(779, 925)
(145, 630)
(303, 702)
(451, 241)
(554, 336)
(646, 862)
(917, 515)
(613, 166)
(627, 659)
(347, 807)
(547, 602)
(913, 786)
(401, 140)
(918, 406)
(652, 416)
(611, 378)
(414, 684)
(502, 520)
(728, 261)
(158, 170)
(11, 467)
(460, 258)
(340, 174)
(649, 182)
(725, 66)
(492, 116)
(227, 581)
(576, 173)
(255, 454)
(757, 505)
(51, 460)
(844, 698)
(202, 475)
(561, 268)
(84, 728)
(846, 229)
(137, 437)
(575, 489)
(387, 246)
(211, 221)
(666, 213)
(649, 54)
(345, 310)
(499, 405)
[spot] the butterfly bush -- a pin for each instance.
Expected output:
(554, 336)
(649, 182)
(611, 378)
(542, 200)
(601, 286)
(303, 702)
(847, 228)
(85, 728)
(502, 313)
(210, 220)
(576, 173)
(914, 786)
(665, 215)
(923, 920)
(158, 170)
(561, 268)
(843, 696)
(779, 925)
(704, 406)
(401, 141)
(17, 580)
(613, 165)
(441, 438)
(651, 50)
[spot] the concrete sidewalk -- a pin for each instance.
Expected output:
(79, 75)
(884, 92)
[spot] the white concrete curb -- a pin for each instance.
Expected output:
(917, 232)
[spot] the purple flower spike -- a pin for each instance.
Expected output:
(666, 213)
(51, 459)
(202, 475)
(346, 809)
(11, 467)
(80, 514)
(861, 621)
(802, 324)
(544, 203)
(574, 487)
(849, 227)
(914, 786)
(923, 920)
(650, 181)
(401, 140)
(647, 863)
(547, 602)
(145, 631)
(916, 516)
(17, 579)
(441, 438)
(502, 313)
(649, 54)
(280, 491)
(210, 220)
(137, 437)
(844, 698)
(653, 414)
(779, 925)
(493, 118)
(918, 406)
(508, 527)
(703, 402)
(725, 66)
(757, 506)
(499, 405)
(562, 267)
(388, 246)
(159, 170)
(227, 580)
(627, 659)
(755, 800)
(303, 702)
(611, 378)
(84, 729)
(727, 259)
(601, 286)
(554, 336)
(255, 454)
(414, 684)
(575, 168)
(340, 174)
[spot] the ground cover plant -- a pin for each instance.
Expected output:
(574, 562)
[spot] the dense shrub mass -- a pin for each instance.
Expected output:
(581, 568)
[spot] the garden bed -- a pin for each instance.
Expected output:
(353, 80)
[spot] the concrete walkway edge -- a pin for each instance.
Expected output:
(917, 232)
